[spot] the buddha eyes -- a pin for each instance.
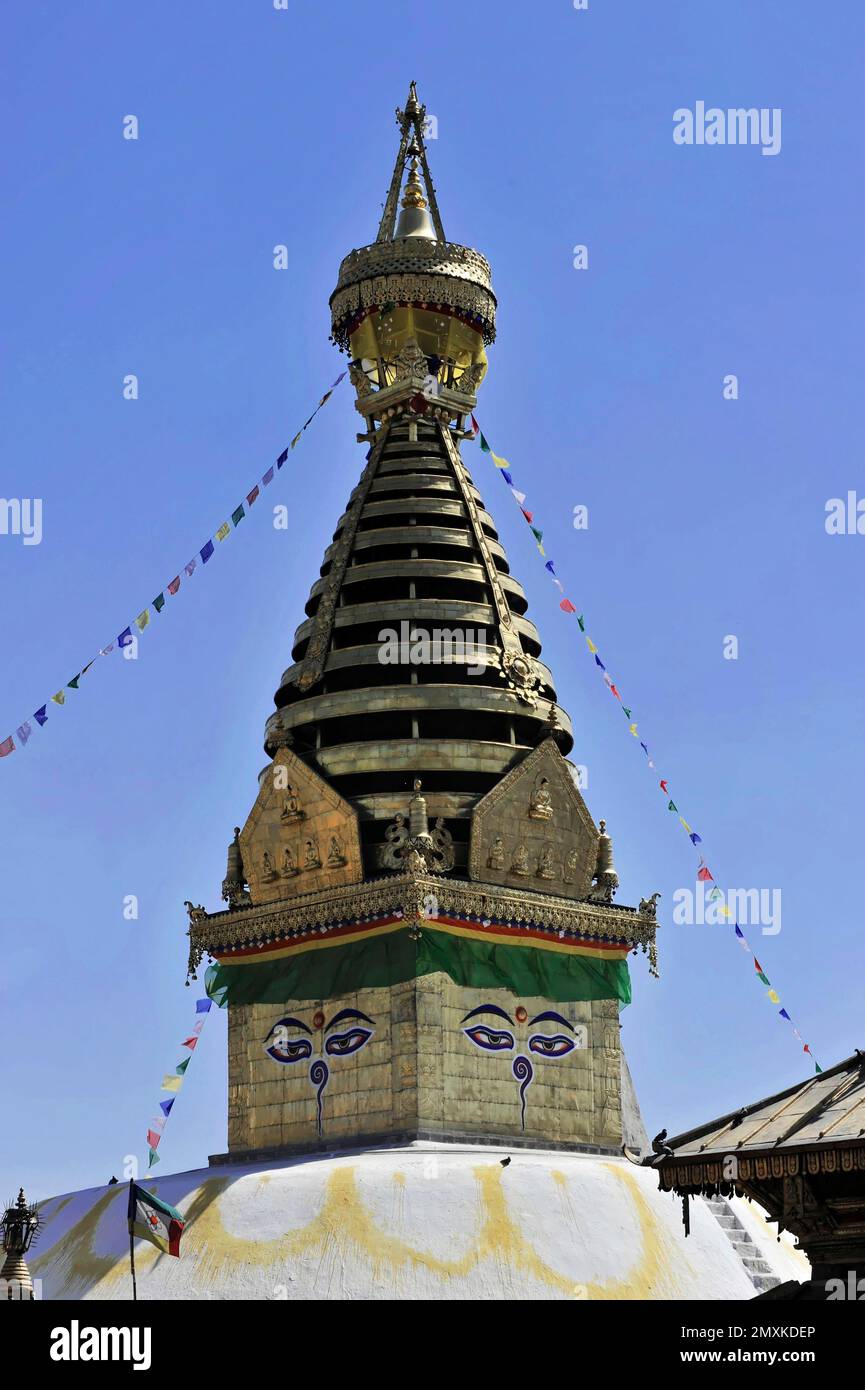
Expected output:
(290, 1050)
(557, 1046)
(501, 1040)
(344, 1044)
(489, 1038)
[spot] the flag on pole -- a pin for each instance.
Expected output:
(154, 1220)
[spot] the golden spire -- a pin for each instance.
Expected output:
(417, 218)
(413, 195)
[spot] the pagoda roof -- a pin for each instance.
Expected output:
(825, 1111)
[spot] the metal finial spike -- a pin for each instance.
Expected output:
(414, 221)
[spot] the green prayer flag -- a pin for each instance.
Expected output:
(152, 1157)
(818, 1069)
(181, 1066)
(483, 443)
(626, 712)
(765, 979)
(581, 623)
(238, 514)
(159, 603)
(671, 806)
(538, 535)
(73, 684)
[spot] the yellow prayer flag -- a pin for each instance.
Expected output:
(224, 530)
(541, 548)
(633, 729)
(142, 620)
(590, 644)
(685, 823)
(774, 997)
(726, 912)
(172, 1083)
(59, 698)
(499, 462)
(296, 438)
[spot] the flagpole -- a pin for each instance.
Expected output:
(132, 1245)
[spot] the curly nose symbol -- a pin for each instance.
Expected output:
(318, 1075)
(523, 1072)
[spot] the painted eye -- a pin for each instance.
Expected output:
(489, 1038)
(344, 1044)
(557, 1046)
(289, 1050)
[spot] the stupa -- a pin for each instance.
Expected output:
(420, 950)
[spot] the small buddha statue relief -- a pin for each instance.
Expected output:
(541, 804)
(496, 856)
(312, 859)
(570, 871)
(267, 869)
(520, 862)
(289, 867)
(335, 856)
(545, 864)
(291, 807)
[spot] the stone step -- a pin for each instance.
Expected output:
(757, 1268)
(763, 1282)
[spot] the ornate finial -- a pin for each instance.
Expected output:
(19, 1224)
(605, 879)
(413, 193)
(413, 846)
(416, 218)
(234, 890)
(417, 815)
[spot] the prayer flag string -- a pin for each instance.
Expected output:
(172, 1082)
(201, 557)
(704, 874)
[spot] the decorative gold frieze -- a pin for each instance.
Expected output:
(534, 822)
(295, 813)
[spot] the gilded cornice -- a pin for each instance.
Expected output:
(410, 892)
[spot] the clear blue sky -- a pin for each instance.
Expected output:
(154, 257)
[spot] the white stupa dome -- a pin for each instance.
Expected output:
(420, 1221)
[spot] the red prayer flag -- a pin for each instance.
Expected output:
(806, 1048)
(190, 1043)
(665, 787)
(153, 1138)
(476, 429)
(757, 966)
(174, 585)
(704, 876)
(529, 516)
(615, 692)
(7, 747)
(251, 496)
(566, 606)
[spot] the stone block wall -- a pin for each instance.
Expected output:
(407, 1059)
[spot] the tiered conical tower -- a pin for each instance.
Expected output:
(420, 935)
